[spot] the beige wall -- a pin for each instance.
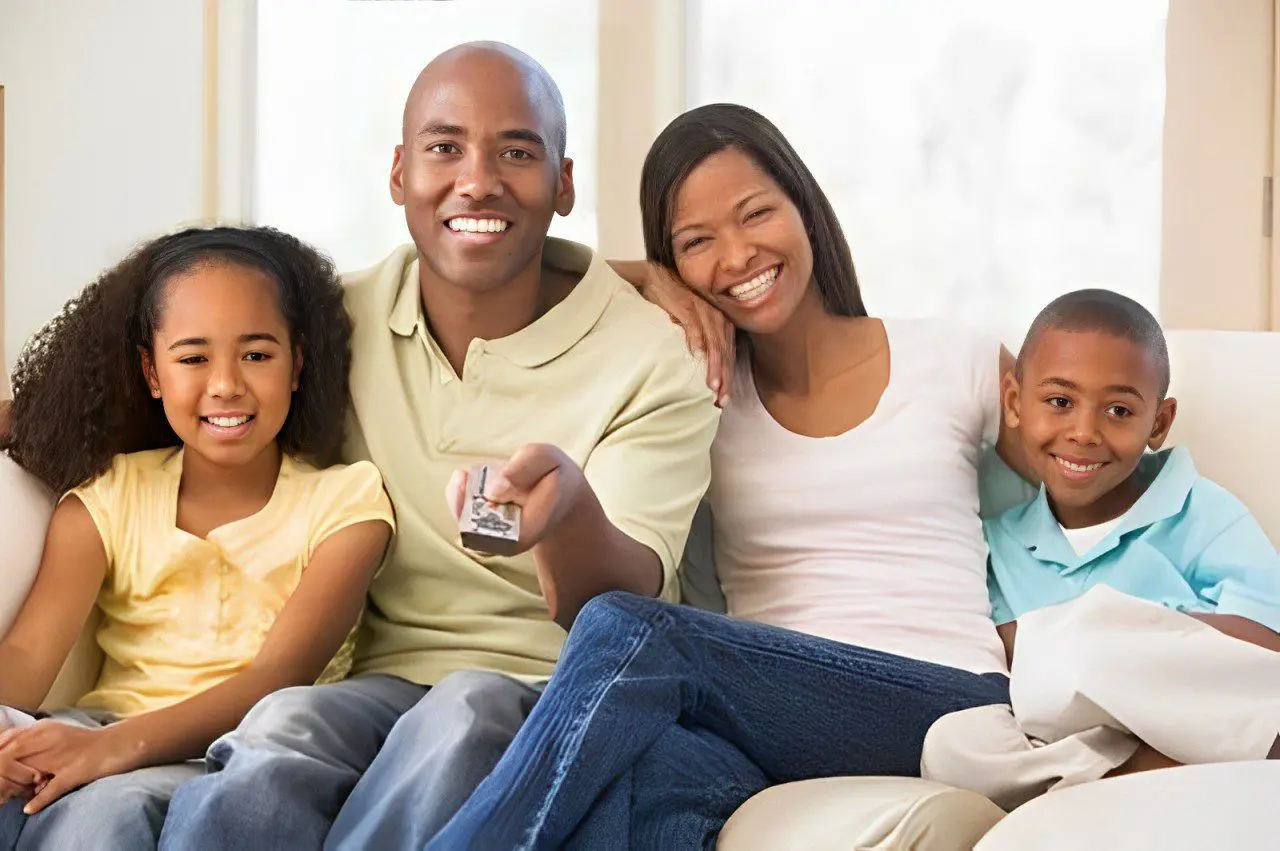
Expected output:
(5, 390)
(1216, 264)
(104, 141)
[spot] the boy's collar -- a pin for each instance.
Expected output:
(1039, 531)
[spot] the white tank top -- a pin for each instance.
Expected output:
(872, 537)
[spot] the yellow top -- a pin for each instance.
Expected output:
(182, 614)
(604, 376)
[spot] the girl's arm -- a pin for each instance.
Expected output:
(72, 569)
(304, 638)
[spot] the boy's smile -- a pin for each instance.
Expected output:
(1087, 407)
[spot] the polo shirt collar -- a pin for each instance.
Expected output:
(1038, 530)
(550, 335)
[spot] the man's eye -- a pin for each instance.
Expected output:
(443, 148)
(1119, 411)
(1059, 401)
(517, 154)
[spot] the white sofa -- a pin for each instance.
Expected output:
(1229, 386)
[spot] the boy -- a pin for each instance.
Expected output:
(1109, 578)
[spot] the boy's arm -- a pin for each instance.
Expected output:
(1239, 573)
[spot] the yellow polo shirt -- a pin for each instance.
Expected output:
(603, 375)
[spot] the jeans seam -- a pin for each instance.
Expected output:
(578, 731)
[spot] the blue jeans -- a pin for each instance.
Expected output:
(634, 669)
(122, 812)
(373, 762)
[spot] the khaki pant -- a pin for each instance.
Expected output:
(1093, 677)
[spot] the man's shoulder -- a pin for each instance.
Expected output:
(634, 326)
(381, 281)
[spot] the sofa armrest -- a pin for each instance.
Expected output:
(843, 813)
(28, 505)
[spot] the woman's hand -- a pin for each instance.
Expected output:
(68, 756)
(16, 779)
(707, 331)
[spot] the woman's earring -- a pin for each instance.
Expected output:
(155, 392)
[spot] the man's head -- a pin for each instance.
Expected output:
(481, 167)
(1088, 397)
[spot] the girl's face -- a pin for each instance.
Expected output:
(222, 362)
(740, 241)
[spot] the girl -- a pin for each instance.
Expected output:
(847, 538)
(186, 404)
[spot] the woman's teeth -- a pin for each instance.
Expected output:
(756, 286)
(1077, 468)
(477, 225)
(228, 422)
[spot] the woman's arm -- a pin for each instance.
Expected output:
(1008, 446)
(71, 573)
(707, 331)
(304, 638)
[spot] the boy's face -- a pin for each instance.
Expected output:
(1086, 409)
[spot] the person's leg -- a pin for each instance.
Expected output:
(433, 760)
(795, 705)
(280, 778)
(678, 795)
(120, 813)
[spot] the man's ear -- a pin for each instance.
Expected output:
(149, 371)
(1164, 421)
(565, 195)
(1011, 400)
(397, 176)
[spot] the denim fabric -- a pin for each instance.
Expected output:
(794, 706)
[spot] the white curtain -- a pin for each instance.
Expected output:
(983, 156)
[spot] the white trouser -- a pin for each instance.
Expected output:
(1091, 679)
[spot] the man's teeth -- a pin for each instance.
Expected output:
(477, 225)
(1078, 468)
(755, 286)
(228, 422)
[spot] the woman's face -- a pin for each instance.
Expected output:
(740, 241)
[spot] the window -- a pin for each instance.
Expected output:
(984, 157)
(332, 77)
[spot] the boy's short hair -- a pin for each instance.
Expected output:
(1106, 311)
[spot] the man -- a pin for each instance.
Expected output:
(484, 340)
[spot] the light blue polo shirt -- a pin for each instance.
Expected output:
(1186, 543)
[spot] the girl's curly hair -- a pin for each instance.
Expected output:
(80, 396)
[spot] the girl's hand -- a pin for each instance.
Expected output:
(707, 331)
(16, 779)
(70, 757)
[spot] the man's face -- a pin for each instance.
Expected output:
(478, 173)
(1086, 409)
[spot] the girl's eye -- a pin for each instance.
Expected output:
(1058, 402)
(257, 357)
(694, 243)
(192, 360)
(1119, 411)
(758, 213)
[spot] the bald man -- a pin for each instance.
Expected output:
(484, 340)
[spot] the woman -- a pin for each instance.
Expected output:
(848, 542)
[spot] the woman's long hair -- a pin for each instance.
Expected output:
(697, 134)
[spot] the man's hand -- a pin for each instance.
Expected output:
(544, 482)
(69, 757)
